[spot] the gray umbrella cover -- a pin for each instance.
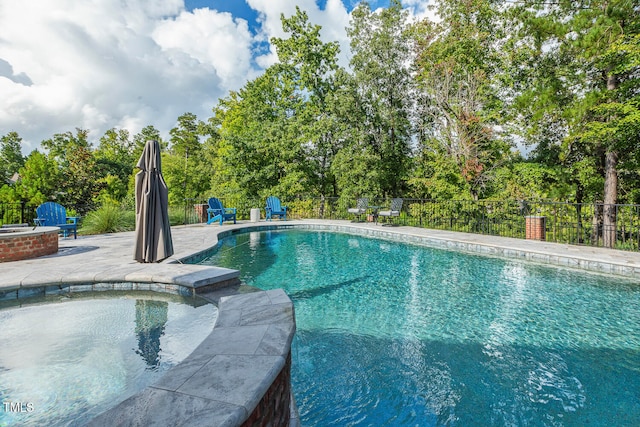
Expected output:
(153, 231)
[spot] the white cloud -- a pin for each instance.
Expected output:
(333, 19)
(103, 64)
(420, 9)
(132, 63)
(213, 39)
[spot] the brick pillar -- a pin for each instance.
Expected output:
(201, 212)
(535, 227)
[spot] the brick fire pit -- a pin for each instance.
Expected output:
(27, 242)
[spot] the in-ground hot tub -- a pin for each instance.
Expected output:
(88, 351)
(27, 242)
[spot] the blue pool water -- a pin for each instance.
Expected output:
(65, 360)
(391, 334)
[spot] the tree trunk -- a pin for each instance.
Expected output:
(596, 224)
(579, 225)
(610, 199)
(610, 185)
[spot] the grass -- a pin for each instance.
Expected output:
(112, 218)
(108, 219)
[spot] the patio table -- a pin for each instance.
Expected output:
(374, 213)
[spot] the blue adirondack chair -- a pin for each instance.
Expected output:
(274, 208)
(217, 212)
(52, 214)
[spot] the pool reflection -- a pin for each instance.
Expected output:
(151, 318)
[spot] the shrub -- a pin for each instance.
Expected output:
(109, 218)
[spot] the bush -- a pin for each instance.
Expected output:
(109, 218)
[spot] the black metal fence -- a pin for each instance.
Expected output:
(17, 213)
(571, 223)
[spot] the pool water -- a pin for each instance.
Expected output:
(65, 360)
(392, 334)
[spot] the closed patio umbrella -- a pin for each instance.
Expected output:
(153, 232)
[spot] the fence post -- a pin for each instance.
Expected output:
(201, 212)
(535, 227)
(22, 216)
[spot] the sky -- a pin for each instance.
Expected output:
(127, 64)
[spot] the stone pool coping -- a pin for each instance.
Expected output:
(595, 260)
(584, 258)
(181, 279)
(222, 381)
(256, 325)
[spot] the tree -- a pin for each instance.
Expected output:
(458, 59)
(276, 134)
(115, 164)
(79, 187)
(584, 62)
(260, 137)
(62, 146)
(216, 153)
(381, 50)
(311, 64)
(141, 138)
(39, 179)
(185, 136)
(116, 150)
(77, 169)
(355, 165)
(11, 159)
(184, 167)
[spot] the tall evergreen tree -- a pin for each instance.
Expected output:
(584, 63)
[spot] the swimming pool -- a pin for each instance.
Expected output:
(396, 334)
(65, 359)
